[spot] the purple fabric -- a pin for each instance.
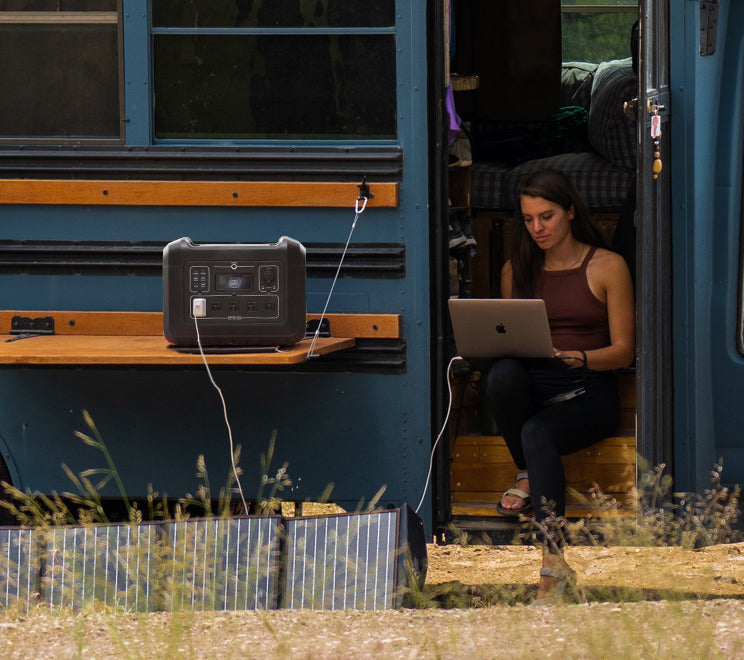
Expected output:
(454, 118)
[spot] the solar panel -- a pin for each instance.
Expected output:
(353, 561)
(222, 564)
(341, 562)
(112, 564)
(350, 561)
(19, 568)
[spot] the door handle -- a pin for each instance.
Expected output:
(630, 108)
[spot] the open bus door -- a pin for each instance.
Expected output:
(438, 22)
(653, 244)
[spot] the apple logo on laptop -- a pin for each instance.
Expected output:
(501, 328)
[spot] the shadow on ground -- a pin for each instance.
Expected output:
(455, 595)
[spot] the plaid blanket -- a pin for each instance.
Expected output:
(603, 185)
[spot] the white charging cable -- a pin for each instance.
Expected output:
(358, 211)
(441, 432)
(224, 405)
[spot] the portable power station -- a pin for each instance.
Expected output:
(240, 294)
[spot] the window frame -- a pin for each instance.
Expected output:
(589, 8)
(137, 155)
(75, 18)
(303, 31)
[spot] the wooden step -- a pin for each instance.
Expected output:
(488, 510)
(482, 469)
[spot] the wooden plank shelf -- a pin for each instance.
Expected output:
(136, 338)
(146, 350)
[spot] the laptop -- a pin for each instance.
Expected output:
(498, 327)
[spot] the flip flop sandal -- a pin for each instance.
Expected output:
(566, 580)
(516, 492)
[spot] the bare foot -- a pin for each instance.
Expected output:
(514, 502)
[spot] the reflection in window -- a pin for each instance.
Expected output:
(59, 77)
(276, 86)
(597, 30)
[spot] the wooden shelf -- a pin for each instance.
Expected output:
(464, 83)
(136, 338)
(145, 350)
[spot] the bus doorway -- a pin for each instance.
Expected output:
(532, 89)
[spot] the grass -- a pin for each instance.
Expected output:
(215, 560)
(664, 519)
(679, 630)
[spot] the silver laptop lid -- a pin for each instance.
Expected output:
(497, 327)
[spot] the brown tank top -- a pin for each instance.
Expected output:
(578, 319)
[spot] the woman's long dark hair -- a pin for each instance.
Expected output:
(527, 258)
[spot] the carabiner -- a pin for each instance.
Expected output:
(356, 205)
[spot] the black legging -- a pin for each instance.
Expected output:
(538, 435)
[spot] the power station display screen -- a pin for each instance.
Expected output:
(234, 282)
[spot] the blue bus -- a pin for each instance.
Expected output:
(127, 124)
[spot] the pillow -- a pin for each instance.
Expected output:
(576, 83)
(610, 132)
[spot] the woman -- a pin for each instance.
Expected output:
(549, 408)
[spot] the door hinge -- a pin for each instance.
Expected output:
(708, 27)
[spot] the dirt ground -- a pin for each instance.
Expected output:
(633, 602)
(649, 572)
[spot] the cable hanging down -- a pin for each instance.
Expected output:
(227, 421)
(441, 432)
(359, 206)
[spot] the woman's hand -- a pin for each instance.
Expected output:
(571, 358)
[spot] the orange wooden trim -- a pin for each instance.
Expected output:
(360, 326)
(363, 326)
(94, 323)
(194, 193)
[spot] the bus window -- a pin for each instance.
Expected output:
(198, 76)
(215, 71)
(274, 70)
(42, 102)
